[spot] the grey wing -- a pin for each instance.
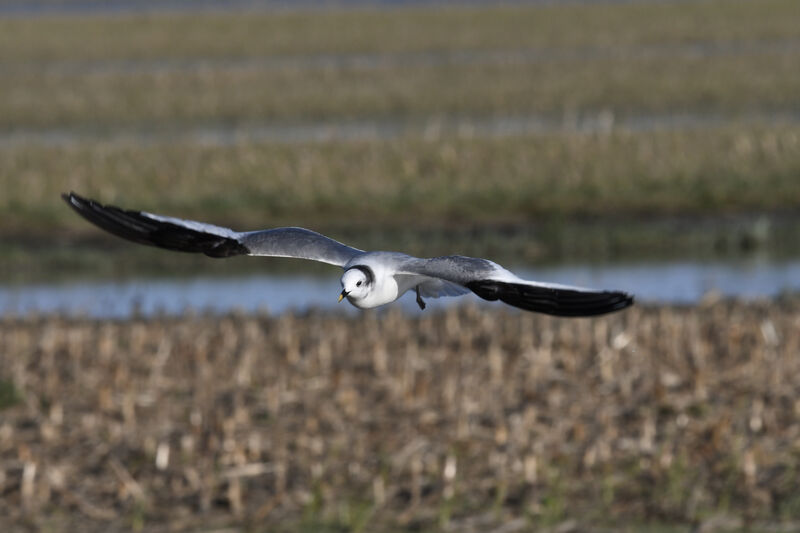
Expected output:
(300, 243)
(492, 282)
(215, 241)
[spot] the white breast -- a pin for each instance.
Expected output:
(384, 291)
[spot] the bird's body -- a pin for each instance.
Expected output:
(370, 279)
(386, 288)
(393, 278)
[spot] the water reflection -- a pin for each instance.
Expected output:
(683, 282)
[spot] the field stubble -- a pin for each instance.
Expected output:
(463, 420)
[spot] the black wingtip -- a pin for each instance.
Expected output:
(77, 202)
(556, 301)
(617, 301)
(68, 197)
(143, 229)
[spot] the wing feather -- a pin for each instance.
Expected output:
(215, 241)
(300, 243)
(555, 300)
(492, 282)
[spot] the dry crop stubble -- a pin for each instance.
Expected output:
(659, 414)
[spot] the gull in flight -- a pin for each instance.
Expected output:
(370, 279)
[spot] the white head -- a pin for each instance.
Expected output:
(356, 283)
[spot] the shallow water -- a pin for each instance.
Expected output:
(684, 282)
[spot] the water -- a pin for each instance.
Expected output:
(684, 282)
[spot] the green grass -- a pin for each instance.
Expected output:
(532, 178)
(70, 72)
(9, 394)
(625, 58)
(627, 84)
(254, 34)
(598, 63)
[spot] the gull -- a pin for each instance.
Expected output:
(370, 279)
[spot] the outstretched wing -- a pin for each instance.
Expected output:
(215, 241)
(492, 282)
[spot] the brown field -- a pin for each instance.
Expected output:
(470, 420)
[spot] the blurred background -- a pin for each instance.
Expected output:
(647, 146)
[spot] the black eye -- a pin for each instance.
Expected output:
(358, 284)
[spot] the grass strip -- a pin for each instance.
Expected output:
(255, 34)
(421, 182)
(623, 85)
